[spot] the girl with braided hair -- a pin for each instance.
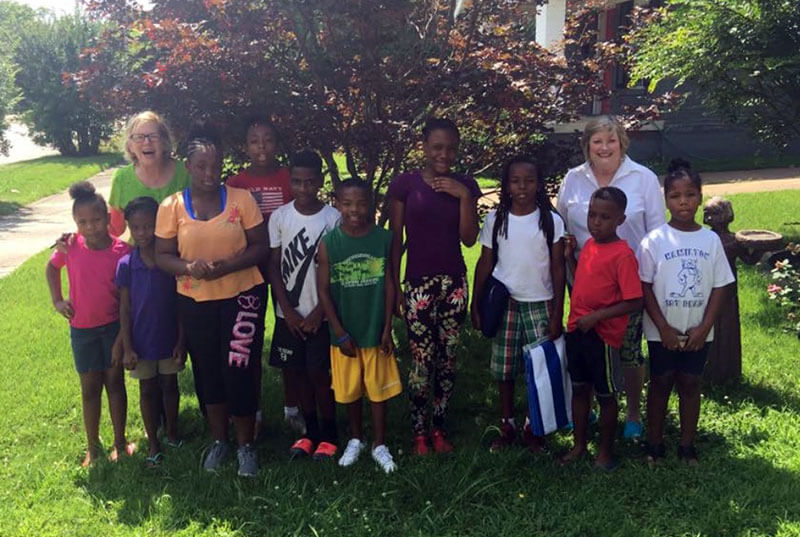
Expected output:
(523, 248)
(212, 238)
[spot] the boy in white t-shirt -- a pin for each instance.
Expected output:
(300, 342)
(522, 248)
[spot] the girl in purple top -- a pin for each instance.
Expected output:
(437, 210)
(152, 339)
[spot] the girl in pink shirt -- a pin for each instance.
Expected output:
(93, 313)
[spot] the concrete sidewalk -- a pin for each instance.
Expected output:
(36, 226)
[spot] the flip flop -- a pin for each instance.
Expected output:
(173, 443)
(154, 460)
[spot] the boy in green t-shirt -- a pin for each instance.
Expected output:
(355, 288)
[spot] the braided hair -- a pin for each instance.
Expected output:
(543, 203)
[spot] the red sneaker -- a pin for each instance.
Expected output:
(325, 450)
(508, 434)
(301, 448)
(440, 443)
(421, 445)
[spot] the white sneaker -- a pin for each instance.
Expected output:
(351, 452)
(293, 418)
(381, 455)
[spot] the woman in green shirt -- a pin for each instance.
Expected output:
(152, 172)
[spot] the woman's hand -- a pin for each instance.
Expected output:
(199, 269)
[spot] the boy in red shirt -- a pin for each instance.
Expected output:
(606, 289)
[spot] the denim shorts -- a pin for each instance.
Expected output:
(91, 347)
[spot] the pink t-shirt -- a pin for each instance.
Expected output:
(92, 291)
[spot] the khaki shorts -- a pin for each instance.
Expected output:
(147, 369)
(370, 371)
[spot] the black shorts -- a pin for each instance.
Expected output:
(289, 351)
(225, 339)
(664, 361)
(590, 361)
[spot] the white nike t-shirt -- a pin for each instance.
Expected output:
(684, 267)
(298, 236)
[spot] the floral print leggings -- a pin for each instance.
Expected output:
(435, 308)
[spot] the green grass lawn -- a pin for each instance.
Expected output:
(748, 483)
(24, 182)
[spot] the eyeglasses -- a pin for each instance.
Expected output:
(152, 137)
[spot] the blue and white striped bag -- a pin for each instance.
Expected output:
(549, 386)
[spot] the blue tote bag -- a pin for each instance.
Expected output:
(549, 386)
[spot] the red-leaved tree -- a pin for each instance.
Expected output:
(356, 77)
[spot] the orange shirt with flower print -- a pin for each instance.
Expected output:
(212, 240)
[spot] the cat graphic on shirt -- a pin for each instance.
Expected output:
(690, 278)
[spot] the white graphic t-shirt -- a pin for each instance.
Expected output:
(523, 261)
(684, 267)
(298, 236)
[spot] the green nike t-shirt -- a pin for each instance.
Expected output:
(357, 282)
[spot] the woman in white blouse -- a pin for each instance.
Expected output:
(604, 143)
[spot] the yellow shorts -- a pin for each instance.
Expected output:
(370, 371)
(147, 369)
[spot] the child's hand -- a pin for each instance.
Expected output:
(387, 343)
(117, 352)
(64, 242)
(587, 322)
(311, 324)
(399, 302)
(348, 347)
(570, 245)
(199, 269)
(475, 316)
(179, 354)
(671, 339)
(450, 186)
(129, 360)
(64, 307)
(696, 338)
(294, 321)
(555, 329)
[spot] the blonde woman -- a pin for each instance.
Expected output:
(152, 171)
(605, 144)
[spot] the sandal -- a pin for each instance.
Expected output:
(173, 443)
(154, 460)
(688, 454)
(654, 453)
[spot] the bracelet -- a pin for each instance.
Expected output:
(343, 339)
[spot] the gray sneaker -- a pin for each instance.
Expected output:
(215, 456)
(248, 461)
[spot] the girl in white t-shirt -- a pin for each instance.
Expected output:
(523, 247)
(684, 275)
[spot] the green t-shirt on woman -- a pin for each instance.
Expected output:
(125, 186)
(357, 280)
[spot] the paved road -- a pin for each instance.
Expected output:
(22, 147)
(36, 226)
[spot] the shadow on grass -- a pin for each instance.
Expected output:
(9, 207)
(470, 492)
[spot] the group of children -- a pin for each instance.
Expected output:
(335, 279)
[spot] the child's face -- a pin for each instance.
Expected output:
(354, 205)
(683, 199)
(204, 167)
(145, 143)
(305, 184)
(604, 149)
(92, 222)
(440, 150)
(261, 145)
(522, 185)
(603, 219)
(143, 226)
